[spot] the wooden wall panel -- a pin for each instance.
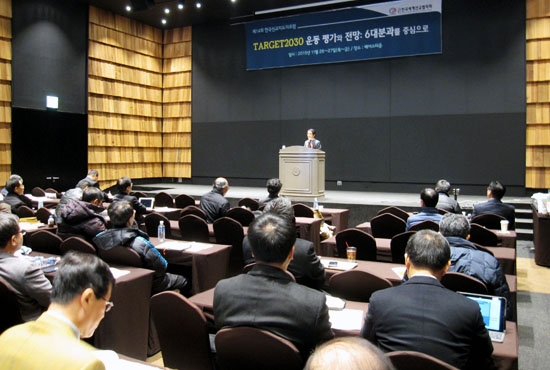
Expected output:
(139, 102)
(5, 89)
(177, 103)
(124, 97)
(537, 174)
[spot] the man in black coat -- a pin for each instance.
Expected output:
(422, 315)
(306, 266)
(267, 297)
(495, 192)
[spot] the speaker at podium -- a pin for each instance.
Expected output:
(302, 172)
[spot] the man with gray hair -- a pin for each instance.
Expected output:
(468, 259)
(214, 203)
(445, 202)
(306, 266)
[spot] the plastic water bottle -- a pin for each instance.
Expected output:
(161, 232)
(51, 221)
(315, 204)
(40, 204)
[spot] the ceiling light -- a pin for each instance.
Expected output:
(163, 21)
(128, 8)
(166, 10)
(180, 5)
(198, 5)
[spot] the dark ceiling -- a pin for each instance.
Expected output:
(212, 11)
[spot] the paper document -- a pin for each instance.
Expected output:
(346, 319)
(175, 245)
(118, 272)
(335, 303)
(399, 271)
(197, 247)
(338, 265)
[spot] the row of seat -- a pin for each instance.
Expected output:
(184, 339)
(391, 221)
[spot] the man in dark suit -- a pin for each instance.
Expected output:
(495, 192)
(267, 297)
(311, 141)
(428, 201)
(422, 315)
(124, 187)
(306, 266)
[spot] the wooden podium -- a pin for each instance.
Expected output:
(302, 172)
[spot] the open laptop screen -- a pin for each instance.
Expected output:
(493, 310)
(147, 202)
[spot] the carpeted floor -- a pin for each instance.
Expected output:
(533, 302)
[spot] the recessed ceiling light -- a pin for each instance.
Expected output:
(166, 10)
(198, 5)
(128, 8)
(180, 5)
(163, 21)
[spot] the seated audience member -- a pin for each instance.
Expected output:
(214, 202)
(4, 191)
(445, 202)
(428, 201)
(306, 266)
(124, 187)
(70, 194)
(422, 315)
(267, 297)
(81, 295)
(91, 181)
(16, 194)
(82, 217)
(122, 234)
(495, 192)
(30, 285)
(468, 259)
(273, 188)
(348, 353)
(6, 207)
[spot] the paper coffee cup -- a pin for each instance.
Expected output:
(504, 225)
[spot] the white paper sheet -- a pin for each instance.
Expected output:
(346, 319)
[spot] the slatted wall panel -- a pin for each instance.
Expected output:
(124, 97)
(538, 94)
(177, 103)
(5, 90)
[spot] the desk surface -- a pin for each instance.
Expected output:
(505, 354)
(208, 262)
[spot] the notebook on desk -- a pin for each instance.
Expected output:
(493, 310)
(147, 202)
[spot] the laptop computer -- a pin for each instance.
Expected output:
(493, 310)
(147, 202)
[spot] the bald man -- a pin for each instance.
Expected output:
(214, 202)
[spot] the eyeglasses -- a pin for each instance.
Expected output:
(108, 304)
(22, 232)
